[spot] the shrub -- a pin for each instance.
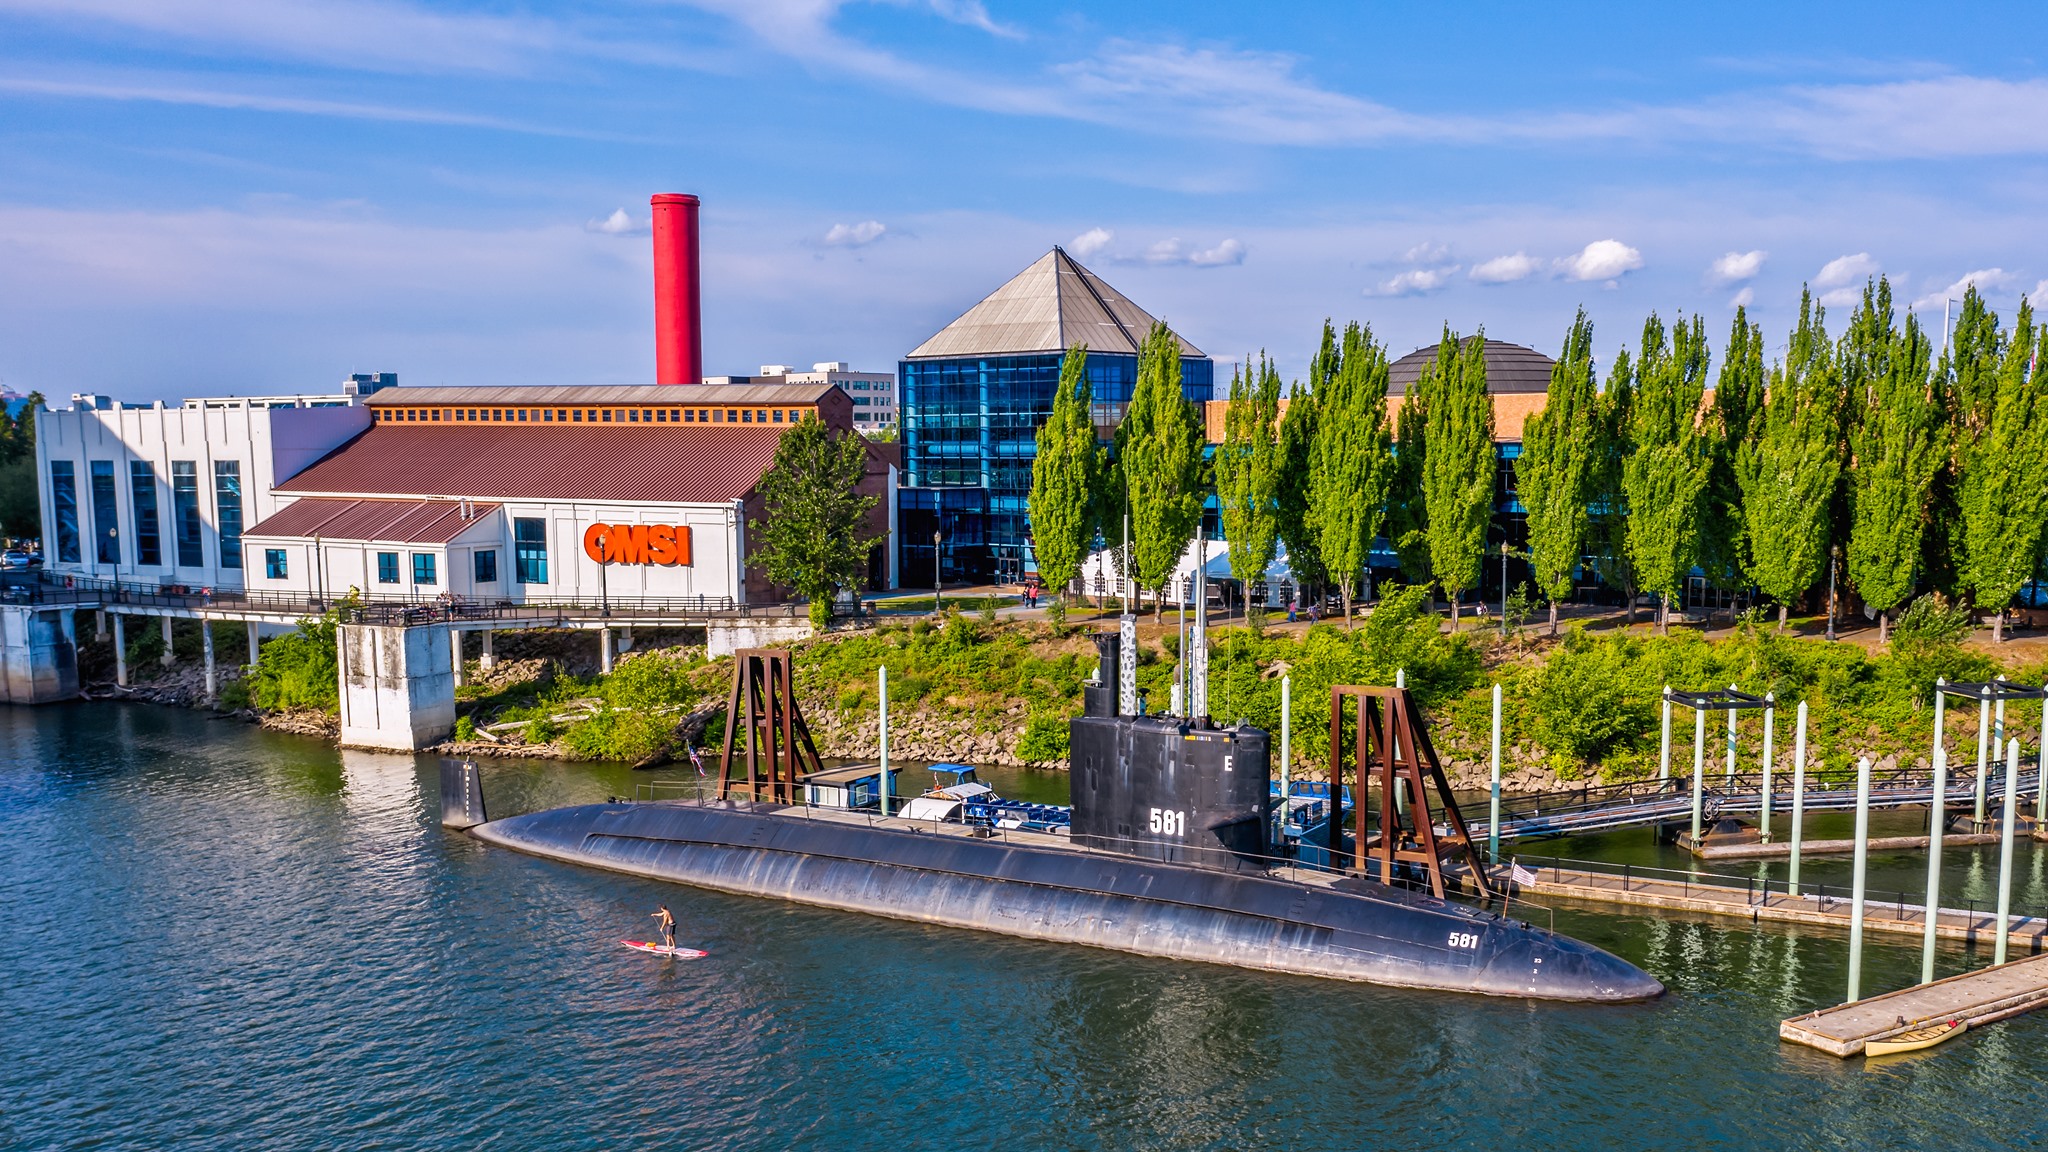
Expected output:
(616, 735)
(301, 669)
(465, 729)
(1044, 739)
(1586, 704)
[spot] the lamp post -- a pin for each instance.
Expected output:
(1834, 558)
(1503, 588)
(938, 537)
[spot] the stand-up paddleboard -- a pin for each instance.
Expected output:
(663, 950)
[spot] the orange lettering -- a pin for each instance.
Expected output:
(661, 544)
(626, 544)
(683, 545)
(594, 543)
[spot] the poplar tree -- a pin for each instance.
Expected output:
(1615, 437)
(1458, 470)
(1738, 406)
(1666, 469)
(1353, 468)
(1558, 471)
(1789, 469)
(1899, 439)
(1963, 385)
(1064, 477)
(1160, 444)
(2003, 496)
(1248, 472)
(1297, 453)
(1407, 507)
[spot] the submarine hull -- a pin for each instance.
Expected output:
(1352, 929)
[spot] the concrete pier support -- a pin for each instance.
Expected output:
(120, 651)
(255, 641)
(169, 657)
(397, 688)
(206, 653)
(625, 640)
(38, 654)
(455, 654)
(99, 625)
(724, 637)
(489, 659)
(604, 650)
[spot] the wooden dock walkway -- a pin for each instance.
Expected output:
(1975, 998)
(2028, 934)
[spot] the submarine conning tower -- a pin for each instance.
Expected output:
(1172, 788)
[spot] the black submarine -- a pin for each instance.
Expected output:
(1168, 855)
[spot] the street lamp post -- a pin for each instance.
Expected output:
(1834, 557)
(937, 580)
(1503, 588)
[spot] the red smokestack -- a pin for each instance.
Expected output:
(678, 312)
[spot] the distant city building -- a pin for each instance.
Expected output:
(975, 394)
(873, 393)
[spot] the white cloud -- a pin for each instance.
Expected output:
(1744, 298)
(616, 224)
(973, 14)
(1505, 269)
(1089, 243)
(1601, 260)
(855, 235)
(1173, 250)
(1736, 266)
(1427, 252)
(1415, 282)
(2039, 293)
(1843, 269)
(1844, 297)
(1985, 280)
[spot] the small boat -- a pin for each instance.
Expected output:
(1915, 1039)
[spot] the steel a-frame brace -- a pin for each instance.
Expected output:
(762, 711)
(1390, 742)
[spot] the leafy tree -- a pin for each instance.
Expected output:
(21, 507)
(2003, 460)
(1667, 466)
(1291, 488)
(1353, 466)
(1738, 408)
(1407, 506)
(1899, 440)
(1248, 472)
(1160, 444)
(814, 534)
(1614, 437)
(1788, 471)
(1064, 478)
(1558, 471)
(1458, 471)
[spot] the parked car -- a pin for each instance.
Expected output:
(14, 561)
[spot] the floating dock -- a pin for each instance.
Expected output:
(1976, 998)
(2029, 934)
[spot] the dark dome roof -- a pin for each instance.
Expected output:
(1509, 368)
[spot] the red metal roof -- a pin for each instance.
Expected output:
(678, 465)
(385, 521)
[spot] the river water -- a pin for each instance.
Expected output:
(217, 937)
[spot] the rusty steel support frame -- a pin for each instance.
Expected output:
(778, 751)
(1391, 740)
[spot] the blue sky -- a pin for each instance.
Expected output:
(206, 197)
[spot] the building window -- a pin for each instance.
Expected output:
(522, 415)
(647, 415)
(487, 566)
(227, 506)
(530, 550)
(185, 513)
(607, 415)
(547, 415)
(435, 415)
(273, 563)
(423, 568)
(778, 415)
(747, 415)
(576, 414)
(761, 416)
(149, 546)
(106, 517)
(387, 567)
(593, 416)
(64, 501)
(632, 415)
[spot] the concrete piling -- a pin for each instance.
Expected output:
(206, 653)
(2007, 812)
(488, 659)
(1493, 815)
(1699, 764)
(1664, 743)
(1936, 819)
(1798, 801)
(1286, 743)
(1983, 750)
(455, 654)
(1770, 721)
(255, 641)
(1730, 773)
(604, 650)
(1857, 881)
(120, 651)
(882, 692)
(169, 657)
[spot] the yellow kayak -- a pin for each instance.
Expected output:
(1916, 1039)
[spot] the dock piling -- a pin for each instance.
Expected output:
(206, 654)
(1699, 764)
(121, 653)
(1856, 883)
(1493, 816)
(1664, 744)
(1770, 722)
(1798, 801)
(1730, 773)
(1286, 746)
(2012, 777)
(882, 691)
(1983, 748)
(1936, 819)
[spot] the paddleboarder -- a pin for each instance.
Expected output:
(667, 922)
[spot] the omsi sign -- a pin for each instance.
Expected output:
(637, 543)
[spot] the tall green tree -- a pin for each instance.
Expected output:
(1899, 439)
(1408, 504)
(1558, 471)
(1788, 470)
(21, 509)
(1735, 422)
(1297, 454)
(1614, 437)
(2003, 498)
(814, 535)
(1667, 467)
(1160, 453)
(1248, 473)
(1458, 469)
(1353, 465)
(1064, 478)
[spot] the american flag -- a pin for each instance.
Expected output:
(696, 761)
